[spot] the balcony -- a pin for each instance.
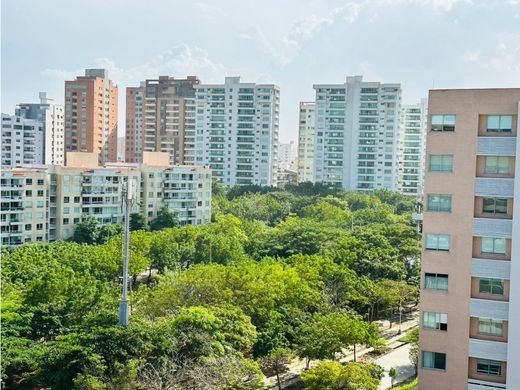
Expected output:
(485, 308)
(496, 146)
(487, 227)
(492, 350)
(494, 187)
(484, 268)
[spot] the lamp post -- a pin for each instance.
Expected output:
(127, 205)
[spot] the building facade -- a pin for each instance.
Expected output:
(286, 155)
(470, 286)
(237, 131)
(44, 203)
(23, 141)
(306, 138)
(356, 141)
(91, 104)
(52, 117)
(134, 124)
(167, 119)
(412, 145)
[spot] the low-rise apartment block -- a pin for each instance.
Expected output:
(44, 203)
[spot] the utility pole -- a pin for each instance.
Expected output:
(127, 205)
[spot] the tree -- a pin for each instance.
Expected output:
(166, 218)
(334, 376)
(86, 232)
(412, 337)
(138, 222)
(393, 373)
(276, 362)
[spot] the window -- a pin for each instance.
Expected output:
(497, 165)
(28, 182)
(66, 199)
(490, 327)
(40, 182)
(494, 206)
(436, 282)
(491, 286)
(489, 367)
(441, 163)
(438, 242)
(65, 221)
(66, 210)
(493, 245)
(435, 360)
(499, 123)
(443, 122)
(438, 321)
(439, 203)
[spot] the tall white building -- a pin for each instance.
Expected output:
(237, 131)
(306, 135)
(357, 127)
(285, 155)
(51, 115)
(412, 148)
(22, 141)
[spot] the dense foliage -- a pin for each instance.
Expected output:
(278, 274)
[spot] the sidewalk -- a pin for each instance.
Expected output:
(296, 367)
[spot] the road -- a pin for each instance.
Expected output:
(400, 360)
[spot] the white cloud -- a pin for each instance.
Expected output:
(471, 55)
(439, 5)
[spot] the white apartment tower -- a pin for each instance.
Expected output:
(306, 135)
(412, 140)
(22, 141)
(357, 127)
(237, 131)
(51, 115)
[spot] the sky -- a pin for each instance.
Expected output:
(292, 43)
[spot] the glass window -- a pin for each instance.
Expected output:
(441, 163)
(439, 203)
(443, 122)
(491, 286)
(435, 360)
(493, 245)
(489, 367)
(491, 327)
(436, 282)
(494, 206)
(438, 242)
(432, 320)
(500, 123)
(497, 165)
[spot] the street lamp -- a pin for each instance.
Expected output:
(127, 205)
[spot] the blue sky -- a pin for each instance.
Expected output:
(292, 43)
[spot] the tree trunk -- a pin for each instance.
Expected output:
(355, 352)
(307, 364)
(278, 379)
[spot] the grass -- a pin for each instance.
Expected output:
(409, 386)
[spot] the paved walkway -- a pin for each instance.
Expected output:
(298, 365)
(400, 360)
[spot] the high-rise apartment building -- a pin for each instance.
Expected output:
(285, 155)
(52, 117)
(306, 138)
(91, 115)
(166, 121)
(237, 131)
(412, 144)
(357, 127)
(470, 286)
(134, 123)
(22, 141)
(44, 203)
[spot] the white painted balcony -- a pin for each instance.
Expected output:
(488, 227)
(484, 268)
(484, 349)
(494, 186)
(475, 384)
(496, 146)
(486, 308)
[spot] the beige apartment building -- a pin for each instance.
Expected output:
(91, 115)
(44, 203)
(470, 287)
